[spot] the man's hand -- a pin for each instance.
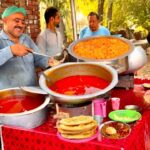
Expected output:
(54, 62)
(20, 50)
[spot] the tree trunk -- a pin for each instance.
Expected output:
(100, 9)
(109, 15)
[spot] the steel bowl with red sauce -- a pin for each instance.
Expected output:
(19, 103)
(69, 81)
(115, 130)
(23, 109)
(79, 85)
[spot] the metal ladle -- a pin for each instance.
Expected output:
(58, 56)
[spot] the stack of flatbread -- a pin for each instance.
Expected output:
(79, 127)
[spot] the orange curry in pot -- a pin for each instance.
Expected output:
(101, 48)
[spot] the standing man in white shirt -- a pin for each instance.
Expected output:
(50, 41)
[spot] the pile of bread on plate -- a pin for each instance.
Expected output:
(78, 127)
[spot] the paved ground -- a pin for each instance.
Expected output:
(145, 70)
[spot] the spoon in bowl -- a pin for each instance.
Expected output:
(58, 56)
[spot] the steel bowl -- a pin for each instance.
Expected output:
(82, 68)
(133, 107)
(26, 119)
(136, 59)
(120, 63)
(119, 127)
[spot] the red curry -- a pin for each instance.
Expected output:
(16, 104)
(79, 85)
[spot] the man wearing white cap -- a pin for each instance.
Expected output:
(17, 63)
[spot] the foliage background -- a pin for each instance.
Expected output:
(115, 14)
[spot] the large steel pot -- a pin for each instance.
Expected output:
(81, 68)
(27, 119)
(136, 59)
(120, 63)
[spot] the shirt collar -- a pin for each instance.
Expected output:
(56, 29)
(96, 30)
(6, 37)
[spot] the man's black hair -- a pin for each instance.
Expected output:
(93, 14)
(50, 12)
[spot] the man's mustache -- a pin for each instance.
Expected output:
(19, 27)
(57, 26)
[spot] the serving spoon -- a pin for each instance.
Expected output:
(58, 56)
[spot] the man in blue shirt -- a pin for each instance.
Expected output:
(94, 28)
(17, 63)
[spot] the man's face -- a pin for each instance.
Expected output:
(14, 25)
(93, 23)
(57, 20)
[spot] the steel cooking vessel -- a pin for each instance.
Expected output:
(81, 68)
(136, 59)
(120, 63)
(26, 119)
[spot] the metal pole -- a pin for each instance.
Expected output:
(73, 18)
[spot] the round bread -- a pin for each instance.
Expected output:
(78, 120)
(75, 132)
(68, 132)
(80, 127)
(82, 135)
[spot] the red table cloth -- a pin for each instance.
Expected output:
(44, 137)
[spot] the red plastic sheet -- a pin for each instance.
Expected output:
(44, 137)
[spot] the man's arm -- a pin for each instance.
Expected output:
(41, 43)
(11, 51)
(82, 32)
(107, 31)
(40, 61)
(5, 55)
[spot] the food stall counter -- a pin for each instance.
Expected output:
(45, 136)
